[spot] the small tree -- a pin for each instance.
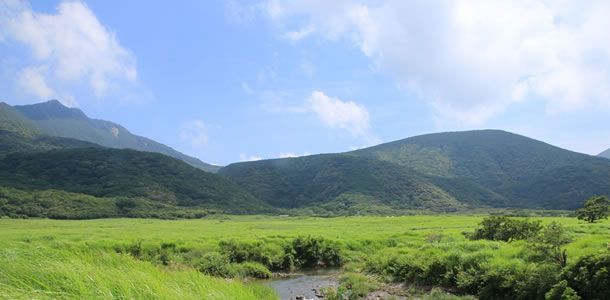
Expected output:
(596, 208)
(549, 244)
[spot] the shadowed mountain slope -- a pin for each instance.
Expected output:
(54, 119)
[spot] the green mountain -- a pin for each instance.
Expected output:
(315, 180)
(50, 167)
(605, 154)
(488, 168)
(141, 177)
(18, 134)
(522, 171)
(54, 119)
(12, 121)
(50, 176)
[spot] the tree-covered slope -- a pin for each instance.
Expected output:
(487, 168)
(54, 119)
(315, 180)
(12, 121)
(104, 172)
(510, 169)
(14, 142)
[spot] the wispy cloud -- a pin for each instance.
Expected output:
(33, 80)
(70, 45)
(249, 157)
(195, 132)
(472, 60)
(290, 154)
(300, 34)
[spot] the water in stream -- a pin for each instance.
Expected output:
(306, 284)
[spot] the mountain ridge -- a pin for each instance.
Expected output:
(55, 119)
(491, 168)
(47, 146)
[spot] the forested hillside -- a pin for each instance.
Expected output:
(54, 119)
(487, 168)
(46, 147)
(314, 180)
(104, 172)
(49, 176)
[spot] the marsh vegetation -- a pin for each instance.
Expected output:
(221, 257)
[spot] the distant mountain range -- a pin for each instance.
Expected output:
(441, 171)
(605, 154)
(57, 162)
(45, 175)
(54, 119)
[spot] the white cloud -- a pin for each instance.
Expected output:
(336, 113)
(195, 132)
(246, 157)
(331, 111)
(473, 59)
(71, 43)
(300, 34)
(254, 157)
(290, 154)
(33, 81)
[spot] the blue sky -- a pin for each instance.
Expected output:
(227, 81)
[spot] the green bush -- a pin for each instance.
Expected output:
(356, 286)
(590, 276)
(561, 291)
(271, 255)
(500, 228)
(549, 244)
(473, 274)
(215, 264)
(316, 251)
(252, 270)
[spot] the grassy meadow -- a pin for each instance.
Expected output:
(215, 258)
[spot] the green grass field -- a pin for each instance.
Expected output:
(42, 258)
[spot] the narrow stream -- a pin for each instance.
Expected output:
(306, 284)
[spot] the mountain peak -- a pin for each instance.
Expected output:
(52, 109)
(54, 101)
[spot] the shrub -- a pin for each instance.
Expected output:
(500, 228)
(271, 255)
(473, 274)
(356, 286)
(549, 244)
(351, 286)
(135, 249)
(561, 291)
(253, 270)
(316, 251)
(215, 264)
(590, 276)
